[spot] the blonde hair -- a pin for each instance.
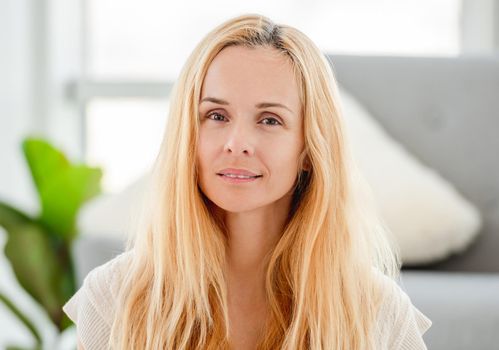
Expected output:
(319, 278)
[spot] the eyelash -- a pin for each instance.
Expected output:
(219, 114)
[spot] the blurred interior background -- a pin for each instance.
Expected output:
(93, 78)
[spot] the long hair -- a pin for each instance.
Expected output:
(320, 276)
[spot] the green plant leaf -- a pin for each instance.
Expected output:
(62, 187)
(40, 261)
(22, 317)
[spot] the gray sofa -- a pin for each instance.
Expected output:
(446, 112)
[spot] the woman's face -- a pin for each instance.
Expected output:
(250, 119)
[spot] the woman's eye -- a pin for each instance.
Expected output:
(273, 120)
(216, 115)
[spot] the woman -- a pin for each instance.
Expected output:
(259, 232)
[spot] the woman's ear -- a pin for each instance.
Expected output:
(306, 164)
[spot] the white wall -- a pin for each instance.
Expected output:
(16, 92)
(480, 26)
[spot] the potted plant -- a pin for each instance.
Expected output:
(39, 248)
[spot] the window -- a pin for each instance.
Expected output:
(123, 136)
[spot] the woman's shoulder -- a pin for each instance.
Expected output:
(93, 306)
(401, 323)
(105, 280)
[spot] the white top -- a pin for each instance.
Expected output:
(91, 308)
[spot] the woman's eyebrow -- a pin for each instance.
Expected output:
(258, 105)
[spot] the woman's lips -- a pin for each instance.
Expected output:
(238, 179)
(236, 171)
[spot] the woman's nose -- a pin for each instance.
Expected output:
(239, 141)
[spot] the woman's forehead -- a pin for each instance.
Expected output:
(257, 74)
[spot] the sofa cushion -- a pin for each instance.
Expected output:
(427, 216)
